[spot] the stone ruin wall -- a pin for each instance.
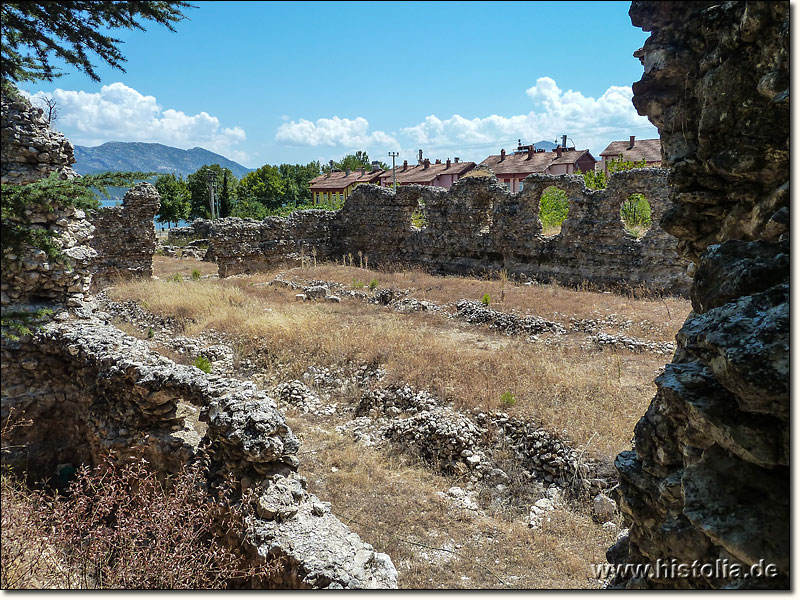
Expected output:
(30, 150)
(709, 476)
(92, 391)
(476, 226)
(125, 237)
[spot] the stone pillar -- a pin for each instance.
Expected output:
(125, 237)
(709, 477)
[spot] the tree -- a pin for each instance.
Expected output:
(225, 200)
(300, 175)
(264, 185)
(597, 180)
(35, 32)
(175, 199)
(50, 108)
(197, 184)
(359, 160)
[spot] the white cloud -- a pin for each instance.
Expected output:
(120, 113)
(589, 122)
(350, 134)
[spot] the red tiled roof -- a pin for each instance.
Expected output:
(650, 150)
(418, 174)
(517, 164)
(339, 180)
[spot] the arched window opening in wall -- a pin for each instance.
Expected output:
(636, 215)
(553, 210)
(419, 218)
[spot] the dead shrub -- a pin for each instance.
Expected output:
(123, 528)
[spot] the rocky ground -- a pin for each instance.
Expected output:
(484, 466)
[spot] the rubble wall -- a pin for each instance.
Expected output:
(87, 391)
(125, 237)
(476, 226)
(709, 476)
(30, 150)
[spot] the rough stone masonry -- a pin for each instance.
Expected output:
(477, 226)
(709, 476)
(90, 391)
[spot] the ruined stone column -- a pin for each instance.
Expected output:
(125, 237)
(708, 479)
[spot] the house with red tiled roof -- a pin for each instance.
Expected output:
(633, 150)
(336, 186)
(439, 174)
(511, 169)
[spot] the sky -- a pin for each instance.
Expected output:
(293, 82)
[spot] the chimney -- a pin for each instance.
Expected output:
(502, 155)
(363, 170)
(564, 141)
(558, 152)
(448, 163)
(438, 161)
(405, 165)
(426, 163)
(420, 155)
(376, 165)
(457, 159)
(347, 172)
(530, 151)
(633, 141)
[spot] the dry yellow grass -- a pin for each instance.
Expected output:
(654, 318)
(165, 266)
(573, 392)
(392, 502)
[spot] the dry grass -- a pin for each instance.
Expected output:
(654, 317)
(568, 390)
(392, 502)
(165, 266)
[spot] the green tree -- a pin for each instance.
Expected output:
(597, 180)
(197, 184)
(264, 185)
(553, 207)
(175, 199)
(300, 175)
(358, 160)
(35, 32)
(225, 197)
(249, 208)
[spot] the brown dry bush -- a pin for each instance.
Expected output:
(121, 528)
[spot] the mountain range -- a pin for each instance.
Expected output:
(140, 156)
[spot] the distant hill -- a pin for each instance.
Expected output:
(158, 158)
(547, 146)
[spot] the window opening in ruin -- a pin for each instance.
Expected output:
(553, 210)
(636, 215)
(419, 219)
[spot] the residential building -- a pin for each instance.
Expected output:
(634, 150)
(336, 186)
(438, 174)
(511, 169)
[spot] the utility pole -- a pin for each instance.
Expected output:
(394, 175)
(211, 180)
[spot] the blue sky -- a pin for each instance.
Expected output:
(273, 82)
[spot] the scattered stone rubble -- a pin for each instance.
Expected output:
(709, 476)
(476, 226)
(510, 324)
